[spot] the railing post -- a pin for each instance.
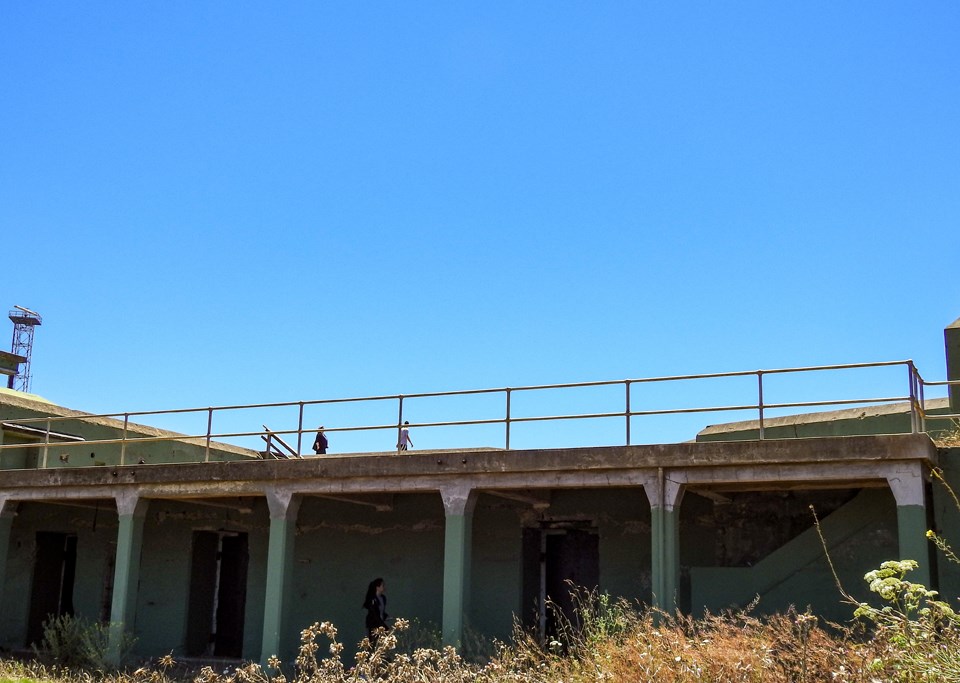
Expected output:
(507, 420)
(760, 400)
(300, 431)
(206, 453)
(627, 384)
(123, 439)
(46, 444)
(912, 383)
(399, 421)
(922, 401)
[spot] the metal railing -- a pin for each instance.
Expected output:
(129, 435)
(919, 389)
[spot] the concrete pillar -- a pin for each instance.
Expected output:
(909, 490)
(284, 507)
(7, 513)
(458, 504)
(131, 512)
(664, 495)
(951, 339)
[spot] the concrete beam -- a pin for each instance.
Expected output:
(542, 476)
(592, 466)
(380, 502)
(538, 500)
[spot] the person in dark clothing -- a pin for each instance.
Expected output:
(320, 443)
(376, 605)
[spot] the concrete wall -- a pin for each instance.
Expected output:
(777, 555)
(96, 532)
(67, 454)
(888, 419)
(947, 522)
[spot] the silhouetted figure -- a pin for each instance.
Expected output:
(376, 605)
(320, 443)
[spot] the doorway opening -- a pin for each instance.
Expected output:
(557, 557)
(218, 594)
(54, 570)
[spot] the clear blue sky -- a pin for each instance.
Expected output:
(222, 202)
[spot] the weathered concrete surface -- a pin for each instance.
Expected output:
(852, 460)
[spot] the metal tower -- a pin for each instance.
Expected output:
(24, 321)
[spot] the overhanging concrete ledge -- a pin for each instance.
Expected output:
(857, 460)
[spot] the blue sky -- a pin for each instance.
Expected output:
(219, 203)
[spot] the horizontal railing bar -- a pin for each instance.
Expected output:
(680, 411)
(944, 416)
(942, 383)
(843, 366)
(547, 418)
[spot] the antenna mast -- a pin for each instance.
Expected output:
(24, 321)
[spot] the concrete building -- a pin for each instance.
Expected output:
(207, 549)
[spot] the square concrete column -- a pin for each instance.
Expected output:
(664, 495)
(909, 490)
(7, 513)
(131, 513)
(284, 507)
(951, 340)
(458, 504)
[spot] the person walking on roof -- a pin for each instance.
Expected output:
(320, 443)
(405, 440)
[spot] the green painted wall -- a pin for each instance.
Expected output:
(947, 523)
(860, 534)
(851, 423)
(341, 547)
(80, 454)
(96, 532)
(496, 576)
(951, 339)
(162, 604)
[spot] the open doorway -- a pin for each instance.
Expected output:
(556, 557)
(54, 570)
(218, 594)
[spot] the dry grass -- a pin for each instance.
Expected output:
(948, 438)
(614, 644)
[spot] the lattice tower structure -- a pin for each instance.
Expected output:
(24, 322)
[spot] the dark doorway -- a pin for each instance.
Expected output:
(54, 570)
(218, 594)
(557, 559)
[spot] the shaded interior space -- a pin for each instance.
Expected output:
(218, 594)
(54, 573)
(561, 560)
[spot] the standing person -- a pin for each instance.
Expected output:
(405, 440)
(320, 443)
(376, 605)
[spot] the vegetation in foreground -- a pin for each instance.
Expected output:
(912, 637)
